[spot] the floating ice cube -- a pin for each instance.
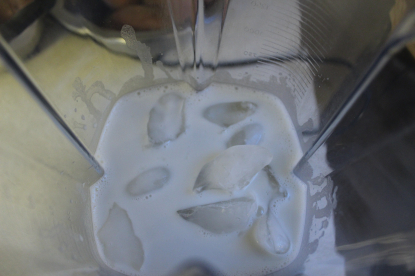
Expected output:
(248, 135)
(166, 120)
(270, 235)
(271, 177)
(260, 212)
(222, 217)
(148, 181)
(273, 182)
(122, 248)
(233, 169)
(227, 114)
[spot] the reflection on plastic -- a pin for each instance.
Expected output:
(195, 268)
(394, 250)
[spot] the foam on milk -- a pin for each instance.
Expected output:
(167, 240)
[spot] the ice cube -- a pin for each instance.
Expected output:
(233, 169)
(166, 120)
(222, 217)
(270, 235)
(273, 182)
(121, 247)
(148, 181)
(248, 135)
(227, 114)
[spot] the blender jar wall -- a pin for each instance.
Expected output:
(311, 54)
(44, 185)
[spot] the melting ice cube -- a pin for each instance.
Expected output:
(166, 120)
(148, 181)
(122, 248)
(248, 135)
(227, 114)
(233, 169)
(273, 182)
(270, 235)
(222, 217)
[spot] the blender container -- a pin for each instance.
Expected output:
(77, 58)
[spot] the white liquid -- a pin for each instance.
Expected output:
(168, 240)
